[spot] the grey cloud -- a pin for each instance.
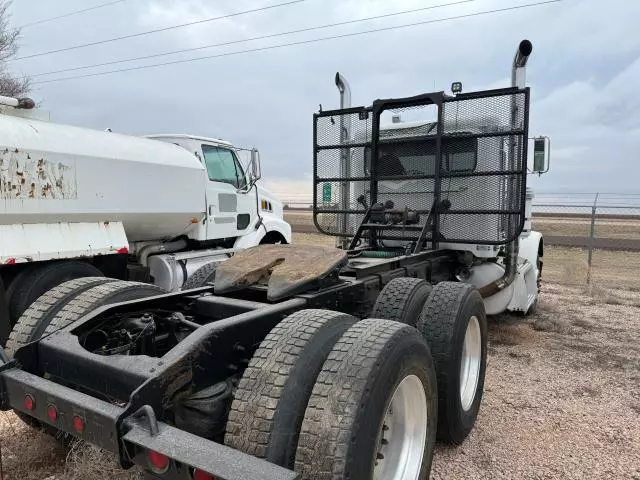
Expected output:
(582, 73)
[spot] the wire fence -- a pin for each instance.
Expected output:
(591, 239)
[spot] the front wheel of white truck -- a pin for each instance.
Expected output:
(373, 410)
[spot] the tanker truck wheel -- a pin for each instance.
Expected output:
(33, 322)
(203, 276)
(373, 410)
(80, 299)
(271, 398)
(98, 296)
(35, 280)
(31, 325)
(454, 324)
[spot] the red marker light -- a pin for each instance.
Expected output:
(11, 261)
(29, 402)
(52, 413)
(122, 251)
(78, 424)
(158, 462)
(200, 475)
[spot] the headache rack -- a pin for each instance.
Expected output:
(454, 172)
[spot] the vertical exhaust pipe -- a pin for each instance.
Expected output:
(344, 192)
(518, 70)
(518, 79)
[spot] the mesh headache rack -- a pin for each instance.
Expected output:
(454, 172)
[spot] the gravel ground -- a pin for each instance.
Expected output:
(562, 400)
(562, 397)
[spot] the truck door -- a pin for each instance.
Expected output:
(231, 206)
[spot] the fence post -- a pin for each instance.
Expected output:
(591, 238)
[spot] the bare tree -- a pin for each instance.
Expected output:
(10, 85)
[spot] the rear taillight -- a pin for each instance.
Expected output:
(78, 424)
(158, 462)
(29, 402)
(200, 475)
(52, 413)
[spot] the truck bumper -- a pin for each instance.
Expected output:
(130, 437)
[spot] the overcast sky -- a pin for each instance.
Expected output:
(584, 73)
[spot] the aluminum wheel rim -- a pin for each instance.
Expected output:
(403, 433)
(470, 363)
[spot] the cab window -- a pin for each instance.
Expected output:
(223, 166)
(418, 156)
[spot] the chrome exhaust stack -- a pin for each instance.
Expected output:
(518, 79)
(344, 191)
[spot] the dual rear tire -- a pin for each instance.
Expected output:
(452, 320)
(333, 398)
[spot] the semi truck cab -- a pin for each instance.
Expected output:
(235, 204)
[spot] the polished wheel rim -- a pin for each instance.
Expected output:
(403, 433)
(470, 363)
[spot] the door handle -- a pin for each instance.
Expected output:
(211, 210)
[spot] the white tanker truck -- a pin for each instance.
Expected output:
(83, 203)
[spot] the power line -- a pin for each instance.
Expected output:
(157, 30)
(302, 42)
(70, 14)
(272, 35)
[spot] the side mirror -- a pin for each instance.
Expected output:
(256, 172)
(541, 155)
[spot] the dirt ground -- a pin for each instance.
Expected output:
(562, 398)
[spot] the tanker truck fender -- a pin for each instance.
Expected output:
(270, 230)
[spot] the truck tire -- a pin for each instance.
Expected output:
(37, 279)
(201, 277)
(373, 410)
(33, 322)
(80, 304)
(402, 300)
(272, 396)
(454, 324)
(113, 292)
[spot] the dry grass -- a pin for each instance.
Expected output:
(551, 226)
(581, 227)
(510, 334)
(83, 460)
(313, 239)
(610, 269)
(29, 454)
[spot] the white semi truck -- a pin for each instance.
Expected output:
(77, 202)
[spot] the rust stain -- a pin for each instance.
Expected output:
(22, 177)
